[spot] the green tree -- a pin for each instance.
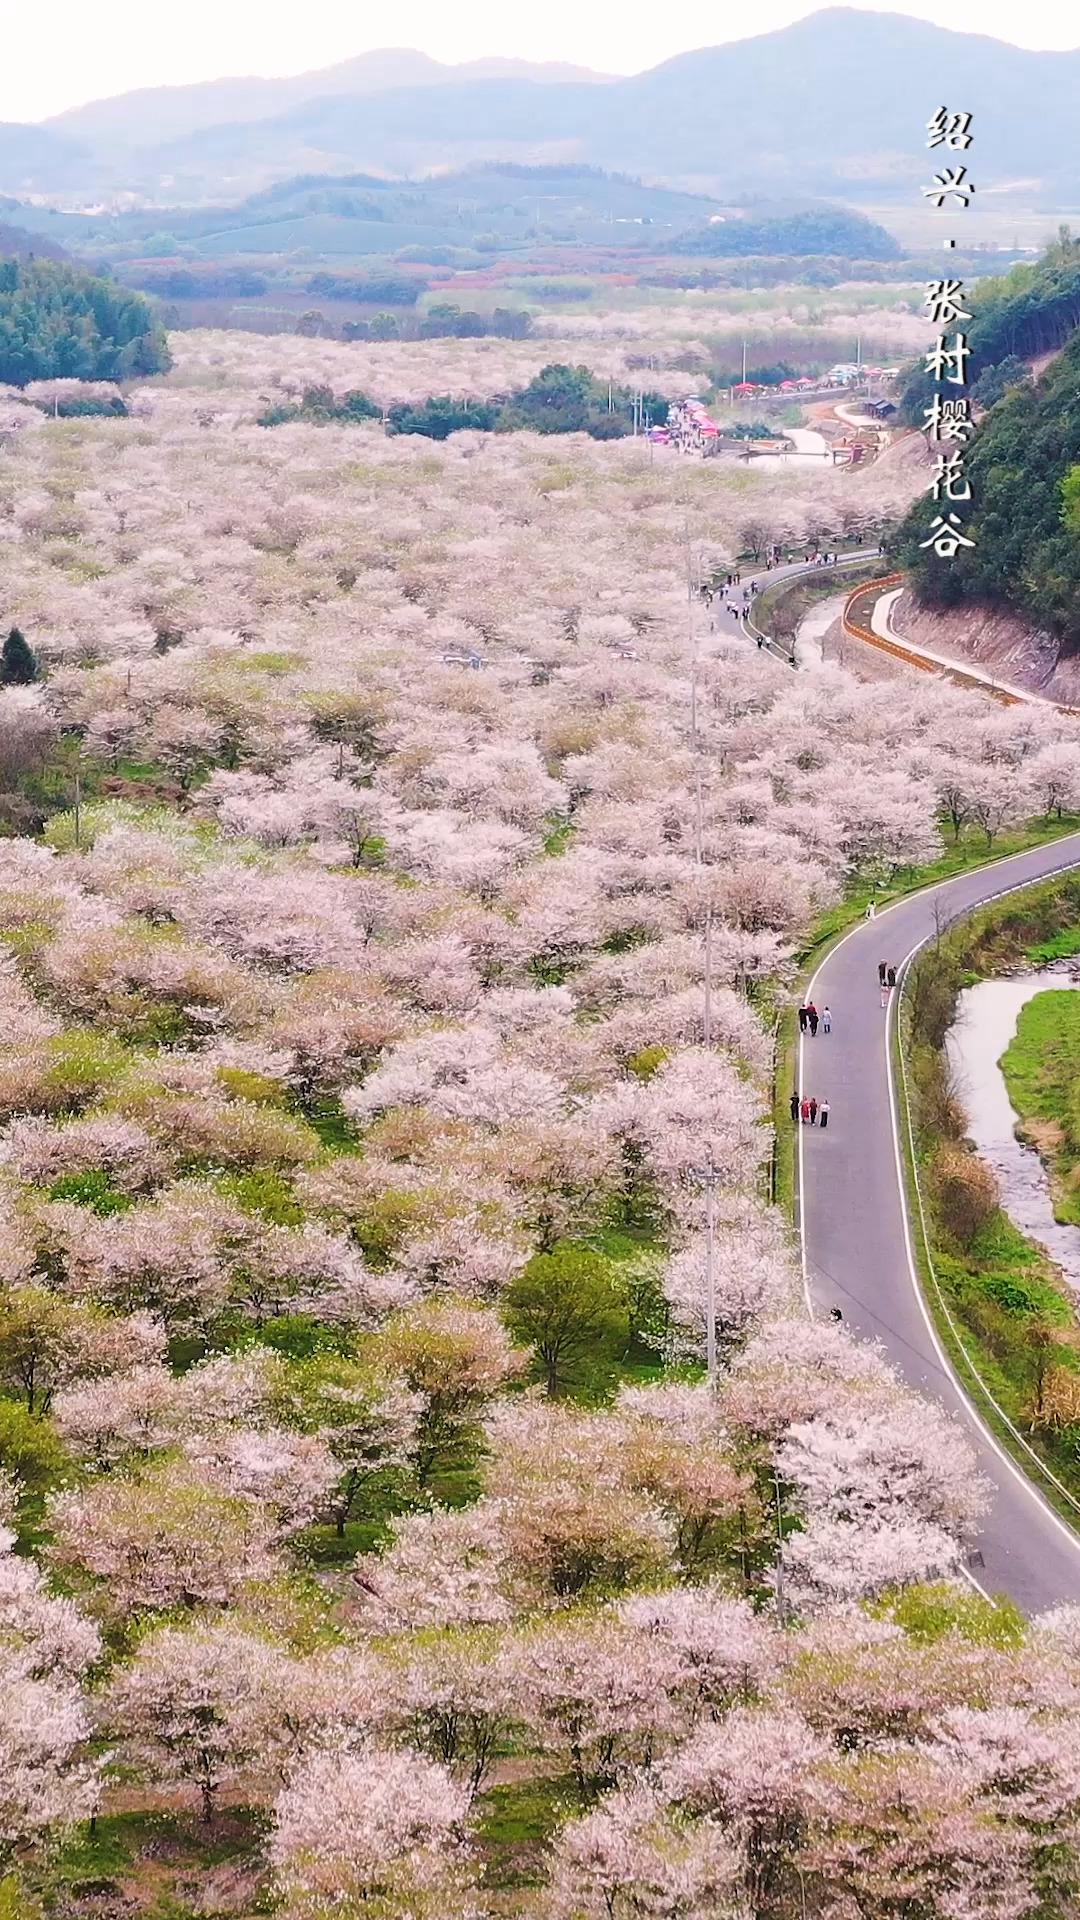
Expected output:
(30, 1450)
(568, 1305)
(993, 384)
(1070, 499)
(15, 1902)
(440, 416)
(18, 661)
(365, 1421)
(58, 321)
(1025, 554)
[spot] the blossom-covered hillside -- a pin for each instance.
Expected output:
(370, 828)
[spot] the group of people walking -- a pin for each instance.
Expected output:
(806, 1108)
(886, 980)
(737, 606)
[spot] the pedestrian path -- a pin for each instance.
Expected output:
(881, 623)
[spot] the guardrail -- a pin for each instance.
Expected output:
(919, 660)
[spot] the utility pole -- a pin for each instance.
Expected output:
(697, 816)
(708, 977)
(692, 636)
(707, 1027)
(709, 1178)
(780, 1551)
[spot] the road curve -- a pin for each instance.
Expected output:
(730, 619)
(856, 1241)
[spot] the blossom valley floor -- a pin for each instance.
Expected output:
(380, 1546)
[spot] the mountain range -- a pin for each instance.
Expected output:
(835, 105)
(152, 115)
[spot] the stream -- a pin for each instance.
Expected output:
(985, 1023)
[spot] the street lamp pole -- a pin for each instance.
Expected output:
(709, 1178)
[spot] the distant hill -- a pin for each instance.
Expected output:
(39, 159)
(834, 231)
(463, 220)
(17, 243)
(834, 107)
(152, 115)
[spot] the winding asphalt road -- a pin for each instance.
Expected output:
(857, 1241)
(856, 1237)
(731, 619)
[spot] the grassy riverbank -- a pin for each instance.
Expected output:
(1042, 1072)
(960, 855)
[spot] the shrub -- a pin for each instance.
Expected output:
(964, 1193)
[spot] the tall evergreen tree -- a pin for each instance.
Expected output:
(18, 661)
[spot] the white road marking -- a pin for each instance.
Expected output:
(969, 1409)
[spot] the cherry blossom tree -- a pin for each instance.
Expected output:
(454, 1356)
(358, 1827)
(631, 1855)
(165, 1539)
(198, 1706)
(458, 1698)
(46, 1782)
(753, 1773)
(598, 1694)
(442, 1569)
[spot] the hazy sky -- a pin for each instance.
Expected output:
(71, 51)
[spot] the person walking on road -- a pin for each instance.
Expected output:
(826, 1020)
(813, 1110)
(803, 1019)
(805, 1112)
(812, 1018)
(882, 970)
(795, 1103)
(890, 977)
(823, 1115)
(871, 909)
